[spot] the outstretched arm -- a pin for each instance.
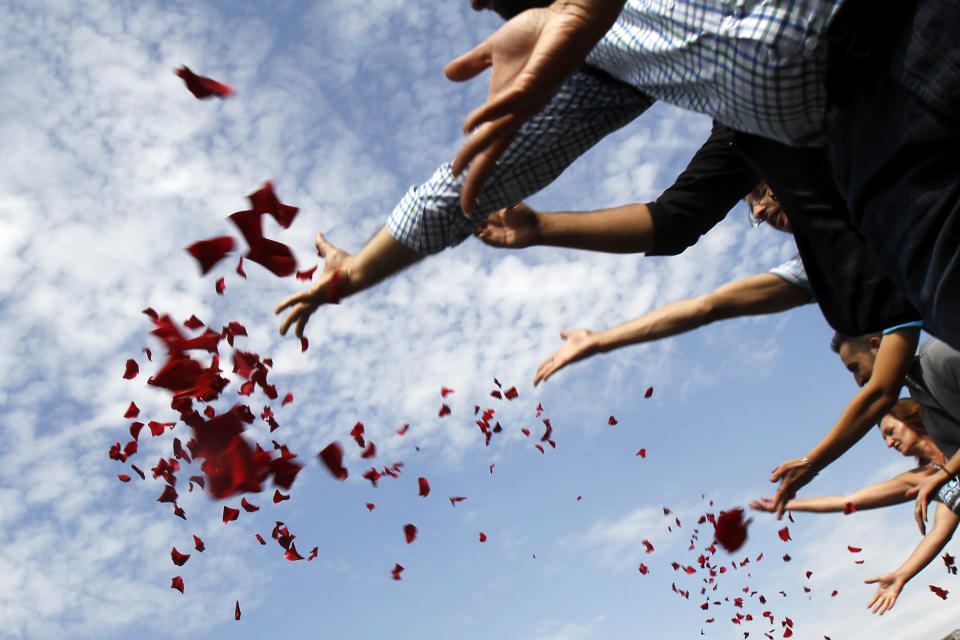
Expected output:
(867, 407)
(759, 294)
(344, 274)
(890, 584)
(882, 494)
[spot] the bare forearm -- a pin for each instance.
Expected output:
(379, 259)
(932, 543)
(626, 229)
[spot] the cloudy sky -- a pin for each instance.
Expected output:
(110, 168)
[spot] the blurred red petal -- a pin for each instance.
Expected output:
(444, 410)
(371, 506)
(784, 534)
(169, 495)
(648, 392)
(264, 200)
(483, 537)
(492, 465)
(177, 583)
(209, 252)
(123, 477)
(230, 514)
(647, 546)
(279, 497)
(940, 592)
(198, 543)
(287, 399)
(151, 313)
(193, 322)
(410, 532)
(178, 558)
(220, 286)
(313, 553)
(291, 553)
(260, 538)
(240, 271)
(370, 451)
(396, 571)
(786, 557)
(332, 458)
(444, 392)
(525, 431)
(306, 274)
(247, 506)
(132, 412)
(849, 508)
(455, 499)
(642, 453)
(139, 472)
(643, 569)
(854, 549)
(424, 487)
(402, 430)
(203, 87)
(236, 611)
(132, 369)
(611, 421)
(540, 447)
(511, 393)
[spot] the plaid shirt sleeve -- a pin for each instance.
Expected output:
(588, 106)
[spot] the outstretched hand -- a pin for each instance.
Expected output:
(332, 283)
(889, 588)
(792, 476)
(763, 504)
(925, 491)
(511, 228)
(530, 56)
(577, 347)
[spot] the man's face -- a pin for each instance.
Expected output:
(859, 362)
(765, 207)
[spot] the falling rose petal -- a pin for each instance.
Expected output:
(264, 200)
(410, 532)
(279, 497)
(949, 561)
(132, 369)
(193, 322)
(849, 508)
(525, 431)
(444, 392)
(643, 569)
(834, 593)
(642, 453)
(808, 574)
(247, 506)
(177, 583)
(332, 458)
(611, 421)
(260, 538)
(371, 506)
(647, 546)
(372, 475)
(304, 344)
(132, 412)
(784, 534)
(230, 514)
(858, 562)
(730, 529)
(240, 271)
(153, 315)
(511, 393)
(139, 472)
(370, 451)
(287, 399)
(306, 274)
(455, 499)
(648, 392)
(198, 543)
(444, 411)
(123, 477)
(483, 537)
(236, 611)
(209, 252)
(402, 430)
(788, 632)
(579, 498)
(313, 553)
(221, 286)
(149, 354)
(178, 558)
(424, 486)
(169, 495)
(854, 549)
(130, 448)
(291, 553)
(396, 571)
(492, 465)
(202, 87)
(540, 447)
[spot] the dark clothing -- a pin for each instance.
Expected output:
(934, 383)
(895, 149)
(852, 291)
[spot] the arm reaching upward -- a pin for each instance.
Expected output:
(759, 294)
(890, 584)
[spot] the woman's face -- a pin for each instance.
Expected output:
(899, 436)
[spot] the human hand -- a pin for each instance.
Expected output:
(529, 56)
(511, 228)
(889, 588)
(792, 475)
(763, 504)
(331, 284)
(925, 491)
(578, 346)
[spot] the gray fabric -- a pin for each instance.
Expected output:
(934, 383)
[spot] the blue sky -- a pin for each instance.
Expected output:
(111, 168)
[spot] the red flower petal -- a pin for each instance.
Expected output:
(849, 508)
(247, 506)
(370, 451)
(332, 458)
(525, 431)
(483, 537)
(492, 465)
(424, 487)
(123, 477)
(209, 252)
(730, 529)
(236, 611)
(306, 274)
(304, 344)
(396, 571)
(264, 200)
(220, 286)
(131, 370)
(371, 506)
(611, 421)
(510, 393)
(240, 271)
(784, 534)
(642, 453)
(313, 553)
(410, 532)
(139, 472)
(229, 514)
(643, 569)
(455, 499)
(177, 583)
(193, 322)
(648, 392)
(279, 497)
(287, 399)
(402, 430)
(444, 410)
(854, 549)
(132, 412)
(260, 538)
(539, 446)
(786, 557)
(198, 543)
(444, 391)
(940, 592)
(202, 87)
(291, 553)
(169, 495)
(647, 546)
(178, 558)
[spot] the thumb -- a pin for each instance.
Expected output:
(469, 64)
